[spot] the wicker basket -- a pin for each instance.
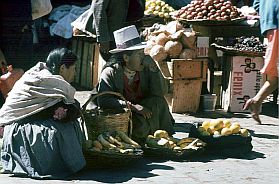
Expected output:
(108, 160)
(165, 153)
(108, 120)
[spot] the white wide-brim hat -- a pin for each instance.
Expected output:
(127, 38)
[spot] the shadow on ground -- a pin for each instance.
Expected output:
(140, 169)
(265, 136)
(270, 109)
(143, 168)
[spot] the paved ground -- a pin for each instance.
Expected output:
(259, 166)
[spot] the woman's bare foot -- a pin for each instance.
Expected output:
(254, 107)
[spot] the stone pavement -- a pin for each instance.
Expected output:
(259, 166)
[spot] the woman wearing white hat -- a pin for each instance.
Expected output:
(136, 76)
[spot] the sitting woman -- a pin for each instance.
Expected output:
(42, 136)
(136, 76)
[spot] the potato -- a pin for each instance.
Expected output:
(158, 53)
(226, 131)
(206, 124)
(226, 123)
(217, 124)
(244, 132)
(173, 48)
(161, 39)
(235, 129)
(161, 134)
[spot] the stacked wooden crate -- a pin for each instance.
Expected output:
(186, 77)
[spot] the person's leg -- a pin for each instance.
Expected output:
(269, 86)
(254, 103)
(270, 69)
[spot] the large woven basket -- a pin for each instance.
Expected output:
(108, 160)
(107, 120)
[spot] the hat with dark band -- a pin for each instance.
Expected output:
(127, 38)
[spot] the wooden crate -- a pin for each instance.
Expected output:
(87, 65)
(186, 78)
(187, 68)
(185, 95)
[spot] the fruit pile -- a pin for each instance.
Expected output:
(161, 139)
(222, 128)
(209, 10)
(252, 44)
(170, 41)
(158, 8)
(117, 142)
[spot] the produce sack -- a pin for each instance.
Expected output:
(40, 8)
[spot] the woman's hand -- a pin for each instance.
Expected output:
(60, 113)
(145, 112)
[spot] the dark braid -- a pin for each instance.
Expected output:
(58, 57)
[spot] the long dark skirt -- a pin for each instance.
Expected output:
(42, 148)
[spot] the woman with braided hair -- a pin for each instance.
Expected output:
(42, 136)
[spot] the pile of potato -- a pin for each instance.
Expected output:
(158, 8)
(117, 142)
(170, 41)
(222, 128)
(161, 139)
(209, 10)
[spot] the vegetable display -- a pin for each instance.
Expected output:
(252, 44)
(117, 142)
(221, 127)
(161, 139)
(170, 41)
(158, 8)
(219, 10)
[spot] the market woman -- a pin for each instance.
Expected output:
(138, 79)
(42, 137)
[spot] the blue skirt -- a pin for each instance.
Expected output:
(42, 148)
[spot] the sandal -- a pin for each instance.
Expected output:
(254, 108)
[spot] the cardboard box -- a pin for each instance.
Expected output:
(202, 46)
(241, 81)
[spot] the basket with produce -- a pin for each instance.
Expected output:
(161, 145)
(223, 136)
(102, 120)
(242, 46)
(156, 11)
(111, 149)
